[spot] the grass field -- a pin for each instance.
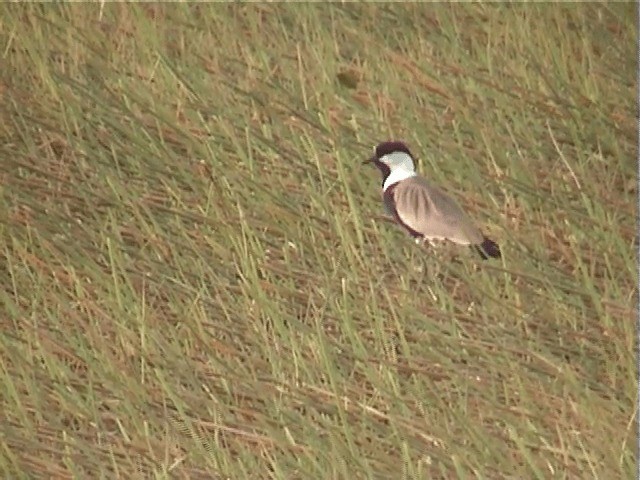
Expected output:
(198, 280)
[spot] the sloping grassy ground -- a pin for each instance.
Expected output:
(198, 282)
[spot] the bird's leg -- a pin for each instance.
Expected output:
(433, 243)
(423, 240)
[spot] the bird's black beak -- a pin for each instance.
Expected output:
(370, 160)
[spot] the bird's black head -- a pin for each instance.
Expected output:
(386, 148)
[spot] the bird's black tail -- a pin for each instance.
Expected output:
(488, 248)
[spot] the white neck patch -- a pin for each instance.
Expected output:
(396, 176)
(401, 166)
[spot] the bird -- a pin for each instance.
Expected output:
(426, 211)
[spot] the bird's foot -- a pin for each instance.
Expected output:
(432, 243)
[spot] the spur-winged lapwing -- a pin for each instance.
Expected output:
(423, 209)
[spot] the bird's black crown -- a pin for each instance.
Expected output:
(386, 148)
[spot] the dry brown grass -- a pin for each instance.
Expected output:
(197, 282)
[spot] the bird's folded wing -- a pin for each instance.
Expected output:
(431, 212)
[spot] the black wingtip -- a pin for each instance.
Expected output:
(488, 248)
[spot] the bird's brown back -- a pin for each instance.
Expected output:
(429, 210)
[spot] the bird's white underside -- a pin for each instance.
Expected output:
(434, 241)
